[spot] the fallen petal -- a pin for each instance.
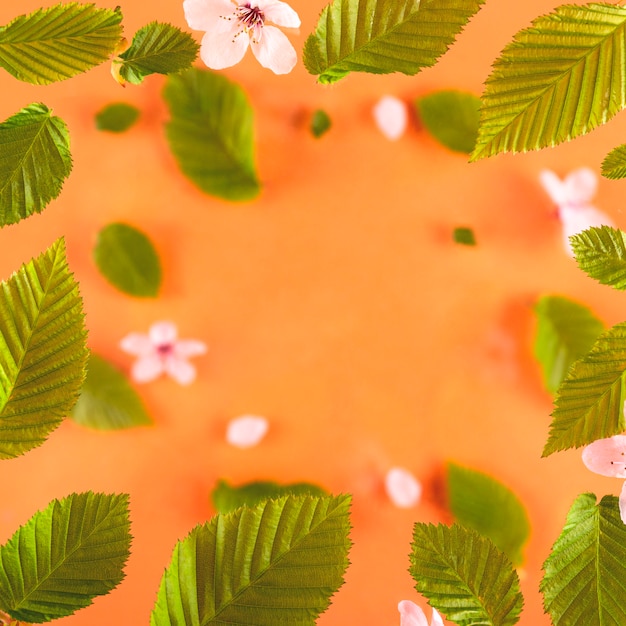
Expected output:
(607, 456)
(180, 370)
(246, 431)
(403, 489)
(275, 51)
(411, 614)
(436, 619)
(146, 368)
(391, 117)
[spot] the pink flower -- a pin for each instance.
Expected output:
(608, 458)
(231, 27)
(391, 117)
(412, 615)
(161, 352)
(403, 489)
(246, 431)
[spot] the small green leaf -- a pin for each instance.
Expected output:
(601, 254)
(53, 44)
(34, 162)
(43, 352)
(566, 331)
(107, 401)
(157, 49)
(486, 505)
(278, 562)
(320, 123)
(128, 260)
(614, 164)
(464, 576)
(584, 574)
(227, 498)
(464, 236)
(117, 117)
(64, 556)
(451, 117)
(211, 134)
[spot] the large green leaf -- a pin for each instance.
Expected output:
(480, 502)
(211, 134)
(34, 161)
(558, 79)
(64, 556)
(566, 331)
(601, 254)
(589, 405)
(614, 164)
(585, 574)
(383, 36)
(43, 353)
(275, 564)
(53, 44)
(464, 576)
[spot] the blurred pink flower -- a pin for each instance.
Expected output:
(412, 615)
(403, 489)
(246, 431)
(391, 117)
(161, 352)
(230, 27)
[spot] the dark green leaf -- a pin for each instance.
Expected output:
(614, 164)
(117, 117)
(320, 123)
(464, 235)
(601, 254)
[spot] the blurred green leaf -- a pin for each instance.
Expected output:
(464, 236)
(320, 123)
(117, 117)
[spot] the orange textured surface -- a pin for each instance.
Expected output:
(336, 305)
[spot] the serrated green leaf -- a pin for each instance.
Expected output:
(614, 164)
(589, 404)
(383, 36)
(107, 401)
(320, 123)
(557, 80)
(117, 117)
(601, 254)
(464, 576)
(566, 331)
(584, 575)
(53, 44)
(464, 236)
(157, 49)
(128, 260)
(274, 564)
(227, 498)
(211, 134)
(34, 162)
(451, 117)
(65, 556)
(43, 351)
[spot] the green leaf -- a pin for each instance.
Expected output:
(277, 563)
(383, 36)
(227, 498)
(128, 260)
(451, 117)
(490, 508)
(34, 161)
(614, 164)
(320, 123)
(43, 351)
(464, 236)
(557, 80)
(107, 401)
(585, 572)
(601, 254)
(589, 405)
(157, 49)
(53, 44)
(211, 134)
(117, 117)
(566, 331)
(464, 576)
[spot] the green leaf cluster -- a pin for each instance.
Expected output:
(601, 254)
(117, 117)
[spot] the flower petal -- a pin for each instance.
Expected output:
(137, 344)
(607, 456)
(163, 333)
(436, 619)
(411, 614)
(581, 185)
(183, 372)
(246, 431)
(203, 14)
(279, 13)
(146, 368)
(186, 348)
(622, 503)
(403, 489)
(391, 117)
(275, 51)
(553, 186)
(223, 48)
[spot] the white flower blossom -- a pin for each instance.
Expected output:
(403, 489)
(246, 431)
(391, 117)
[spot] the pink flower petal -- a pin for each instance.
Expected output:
(403, 489)
(279, 13)
(186, 348)
(411, 614)
(576, 219)
(146, 368)
(225, 48)
(607, 456)
(246, 431)
(203, 14)
(137, 344)
(622, 503)
(436, 619)
(581, 185)
(275, 51)
(162, 333)
(391, 117)
(553, 186)
(180, 370)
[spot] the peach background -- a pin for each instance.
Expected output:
(336, 305)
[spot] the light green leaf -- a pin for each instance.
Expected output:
(558, 79)
(117, 117)
(464, 236)
(227, 498)
(43, 352)
(601, 254)
(211, 134)
(107, 401)
(64, 556)
(614, 164)
(383, 36)
(490, 508)
(157, 49)
(585, 572)
(451, 117)
(53, 44)
(275, 564)
(589, 404)
(320, 123)
(464, 576)
(566, 331)
(34, 161)
(128, 260)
